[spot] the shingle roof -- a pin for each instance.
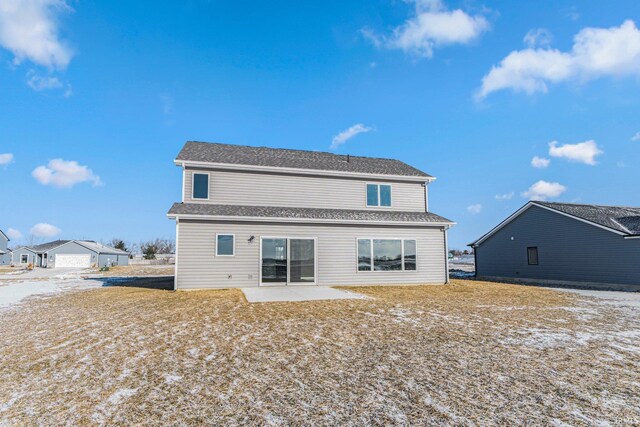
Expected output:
(297, 159)
(44, 247)
(89, 244)
(305, 213)
(100, 248)
(623, 219)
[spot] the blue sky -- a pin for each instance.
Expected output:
(467, 91)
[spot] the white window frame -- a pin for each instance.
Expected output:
(193, 185)
(234, 244)
(373, 270)
(24, 255)
(377, 184)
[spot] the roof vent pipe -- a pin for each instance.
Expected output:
(348, 158)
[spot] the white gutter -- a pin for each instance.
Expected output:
(297, 171)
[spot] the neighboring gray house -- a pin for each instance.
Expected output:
(69, 253)
(257, 216)
(5, 254)
(564, 243)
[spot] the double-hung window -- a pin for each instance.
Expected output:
(386, 255)
(200, 186)
(379, 195)
(24, 259)
(225, 245)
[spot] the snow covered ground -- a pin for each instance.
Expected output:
(42, 281)
(628, 299)
(470, 353)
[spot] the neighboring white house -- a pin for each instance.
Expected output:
(257, 216)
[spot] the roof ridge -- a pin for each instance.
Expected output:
(585, 204)
(297, 150)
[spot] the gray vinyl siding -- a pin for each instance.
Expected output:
(568, 250)
(112, 259)
(17, 254)
(198, 267)
(3, 243)
(262, 189)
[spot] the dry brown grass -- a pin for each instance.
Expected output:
(140, 270)
(466, 354)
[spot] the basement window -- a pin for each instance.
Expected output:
(532, 255)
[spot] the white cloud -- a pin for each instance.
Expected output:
(30, 30)
(45, 230)
(6, 158)
(621, 164)
(540, 162)
(432, 26)
(39, 83)
(583, 152)
(596, 52)
(636, 137)
(538, 37)
(543, 190)
(64, 174)
(14, 234)
(506, 196)
(347, 134)
(474, 209)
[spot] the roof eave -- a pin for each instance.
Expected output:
(254, 168)
(306, 220)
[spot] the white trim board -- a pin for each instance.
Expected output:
(526, 207)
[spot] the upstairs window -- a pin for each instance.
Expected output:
(379, 195)
(532, 255)
(201, 186)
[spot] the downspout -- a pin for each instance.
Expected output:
(426, 196)
(446, 254)
(175, 272)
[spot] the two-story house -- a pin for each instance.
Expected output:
(5, 256)
(257, 216)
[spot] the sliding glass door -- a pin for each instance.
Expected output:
(274, 260)
(288, 261)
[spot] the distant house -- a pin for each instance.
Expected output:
(564, 243)
(69, 253)
(259, 216)
(5, 254)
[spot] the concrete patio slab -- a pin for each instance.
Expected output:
(297, 293)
